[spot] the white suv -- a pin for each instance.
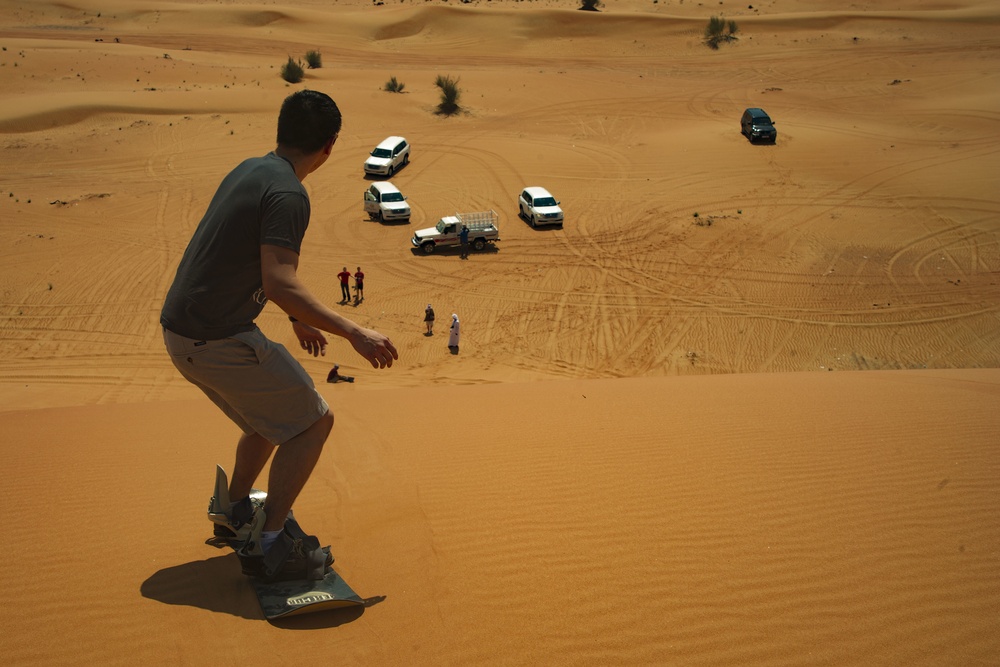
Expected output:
(538, 207)
(384, 202)
(388, 156)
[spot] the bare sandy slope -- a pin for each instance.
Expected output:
(639, 455)
(783, 519)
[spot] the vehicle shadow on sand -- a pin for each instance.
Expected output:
(539, 228)
(456, 251)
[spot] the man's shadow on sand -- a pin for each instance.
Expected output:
(216, 584)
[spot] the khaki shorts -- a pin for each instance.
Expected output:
(255, 381)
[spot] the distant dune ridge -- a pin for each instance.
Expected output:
(739, 409)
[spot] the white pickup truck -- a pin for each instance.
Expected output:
(482, 230)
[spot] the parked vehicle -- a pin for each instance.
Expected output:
(384, 202)
(757, 125)
(388, 157)
(539, 207)
(482, 226)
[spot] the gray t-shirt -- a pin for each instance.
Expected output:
(218, 290)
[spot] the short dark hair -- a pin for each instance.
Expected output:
(308, 120)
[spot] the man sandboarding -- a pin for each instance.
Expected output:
(245, 252)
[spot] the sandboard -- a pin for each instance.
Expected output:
(291, 598)
(281, 599)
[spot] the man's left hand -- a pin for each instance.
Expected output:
(310, 338)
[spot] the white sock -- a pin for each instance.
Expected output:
(268, 538)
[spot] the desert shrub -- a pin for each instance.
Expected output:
(292, 71)
(450, 93)
(590, 5)
(716, 31)
(314, 59)
(394, 86)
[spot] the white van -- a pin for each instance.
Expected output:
(388, 156)
(384, 202)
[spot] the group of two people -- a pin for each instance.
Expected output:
(454, 332)
(453, 338)
(345, 288)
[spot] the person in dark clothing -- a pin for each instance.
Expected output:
(335, 376)
(429, 320)
(359, 285)
(244, 253)
(463, 238)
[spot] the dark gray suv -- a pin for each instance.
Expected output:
(757, 126)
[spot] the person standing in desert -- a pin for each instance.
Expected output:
(463, 238)
(359, 286)
(345, 285)
(429, 320)
(244, 253)
(454, 333)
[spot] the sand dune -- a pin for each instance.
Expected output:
(638, 521)
(738, 410)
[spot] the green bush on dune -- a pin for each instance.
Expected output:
(450, 93)
(292, 71)
(314, 59)
(394, 86)
(715, 31)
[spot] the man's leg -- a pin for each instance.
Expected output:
(290, 470)
(252, 454)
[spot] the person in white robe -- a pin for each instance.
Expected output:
(455, 332)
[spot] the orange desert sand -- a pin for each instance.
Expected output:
(765, 434)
